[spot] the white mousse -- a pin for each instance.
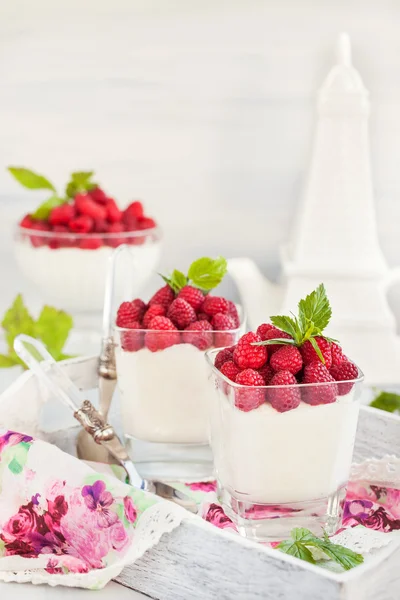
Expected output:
(164, 394)
(270, 457)
(74, 278)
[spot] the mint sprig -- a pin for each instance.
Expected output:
(204, 273)
(80, 182)
(388, 401)
(52, 327)
(30, 179)
(303, 543)
(314, 313)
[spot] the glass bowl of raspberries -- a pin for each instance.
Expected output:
(284, 411)
(162, 374)
(66, 253)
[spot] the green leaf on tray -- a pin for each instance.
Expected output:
(52, 327)
(303, 541)
(31, 180)
(388, 401)
(43, 211)
(206, 273)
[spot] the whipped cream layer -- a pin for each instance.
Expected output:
(74, 278)
(164, 395)
(270, 457)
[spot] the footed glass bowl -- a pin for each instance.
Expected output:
(280, 470)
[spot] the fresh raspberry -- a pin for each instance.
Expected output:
(309, 355)
(62, 215)
(82, 224)
(85, 205)
(233, 313)
(146, 223)
(98, 195)
(181, 313)
(113, 214)
(155, 310)
(287, 358)
(286, 398)
(250, 399)
(163, 296)
(266, 331)
(115, 240)
(39, 240)
(230, 370)
(214, 304)
(337, 354)
(92, 243)
(346, 371)
(201, 316)
(26, 222)
(135, 209)
(248, 356)
(223, 356)
(222, 323)
(100, 225)
(130, 311)
(192, 295)
(266, 373)
(132, 341)
(162, 334)
(316, 372)
(199, 334)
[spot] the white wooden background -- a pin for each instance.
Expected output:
(202, 108)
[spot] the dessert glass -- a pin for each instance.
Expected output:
(164, 399)
(276, 471)
(70, 269)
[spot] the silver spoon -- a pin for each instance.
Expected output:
(39, 360)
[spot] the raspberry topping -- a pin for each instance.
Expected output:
(345, 371)
(250, 399)
(198, 334)
(223, 356)
(248, 356)
(337, 354)
(230, 370)
(192, 295)
(155, 310)
(287, 358)
(165, 334)
(316, 372)
(181, 313)
(286, 398)
(266, 331)
(163, 296)
(309, 355)
(132, 341)
(215, 304)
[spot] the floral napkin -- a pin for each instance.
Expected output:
(63, 523)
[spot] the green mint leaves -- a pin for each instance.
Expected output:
(388, 401)
(31, 180)
(205, 273)
(313, 316)
(80, 182)
(305, 545)
(52, 327)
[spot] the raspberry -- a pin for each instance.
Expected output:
(112, 212)
(248, 356)
(62, 215)
(233, 313)
(98, 195)
(132, 341)
(198, 334)
(266, 373)
(287, 358)
(39, 240)
(266, 331)
(115, 240)
(92, 243)
(146, 223)
(130, 311)
(223, 356)
(346, 371)
(309, 355)
(85, 205)
(221, 323)
(337, 354)
(192, 295)
(230, 370)
(163, 296)
(250, 399)
(100, 226)
(181, 313)
(155, 310)
(135, 209)
(286, 398)
(316, 372)
(201, 316)
(82, 224)
(164, 334)
(214, 304)
(26, 222)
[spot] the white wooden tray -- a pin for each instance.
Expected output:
(197, 561)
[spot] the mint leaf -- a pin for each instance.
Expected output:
(17, 320)
(315, 308)
(80, 182)
(343, 556)
(297, 549)
(53, 327)
(177, 281)
(31, 180)
(7, 361)
(314, 344)
(206, 273)
(386, 401)
(286, 324)
(43, 211)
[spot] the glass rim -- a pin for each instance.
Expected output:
(126, 329)
(212, 351)
(106, 235)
